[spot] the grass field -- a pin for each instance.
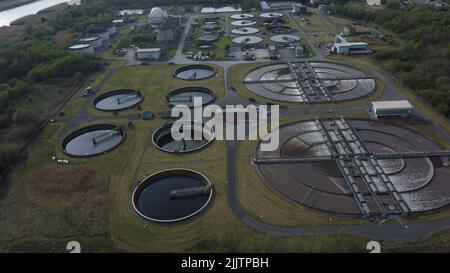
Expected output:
(155, 82)
(316, 23)
(44, 217)
(320, 39)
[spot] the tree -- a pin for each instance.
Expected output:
(393, 4)
(4, 100)
(24, 116)
(443, 108)
(79, 76)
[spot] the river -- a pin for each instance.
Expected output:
(10, 15)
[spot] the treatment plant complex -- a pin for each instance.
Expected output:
(358, 157)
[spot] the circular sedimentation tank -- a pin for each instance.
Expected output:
(208, 38)
(245, 30)
(82, 48)
(247, 40)
(163, 140)
(342, 82)
(93, 140)
(95, 41)
(116, 100)
(285, 38)
(242, 16)
(210, 27)
(421, 182)
(243, 23)
(186, 95)
(172, 195)
(271, 15)
(194, 72)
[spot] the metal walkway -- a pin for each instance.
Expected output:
(97, 139)
(189, 192)
(370, 186)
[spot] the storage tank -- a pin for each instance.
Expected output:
(95, 41)
(82, 48)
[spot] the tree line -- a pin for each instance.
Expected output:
(421, 59)
(27, 67)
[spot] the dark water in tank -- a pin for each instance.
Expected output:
(118, 101)
(83, 144)
(195, 73)
(154, 200)
(166, 142)
(187, 97)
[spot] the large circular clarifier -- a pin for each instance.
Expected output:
(421, 182)
(271, 15)
(172, 195)
(245, 30)
(285, 38)
(340, 82)
(93, 140)
(186, 95)
(118, 100)
(247, 40)
(207, 38)
(194, 72)
(242, 16)
(243, 23)
(196, 136)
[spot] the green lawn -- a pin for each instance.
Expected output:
(47, 224)
(52, 222)
(315, 23)
(155, 81)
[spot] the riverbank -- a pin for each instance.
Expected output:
(36, 18)
(10, 4)
(17, 27)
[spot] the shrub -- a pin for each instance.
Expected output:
(23, 116)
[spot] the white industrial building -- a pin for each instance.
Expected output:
(167, 28)
(157, 16)
(82, 48)
(391, 108)
(374, 2)
(148, 53)
(349, 48)
(95, 41)
(118, 21)
(282, 6)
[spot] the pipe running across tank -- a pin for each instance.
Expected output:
(107, 135)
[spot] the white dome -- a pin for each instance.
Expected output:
(157, 12)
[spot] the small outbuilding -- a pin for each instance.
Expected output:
(391, 108)
(347, 48)
(148, 53)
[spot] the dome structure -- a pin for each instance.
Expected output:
(157, 15)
